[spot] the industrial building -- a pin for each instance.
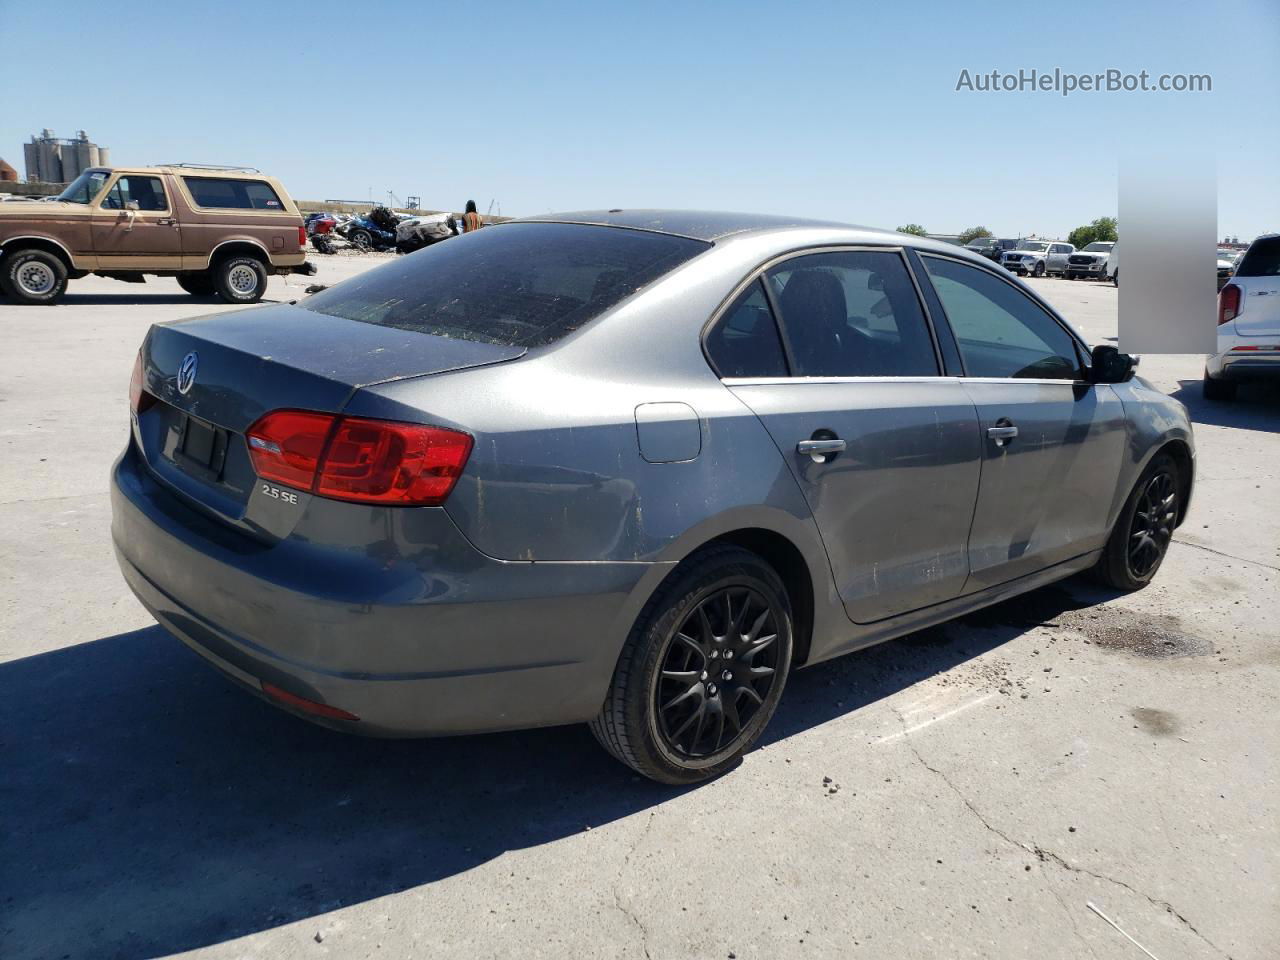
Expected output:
(52, 160)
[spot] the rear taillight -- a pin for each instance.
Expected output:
(302, 236)
(139, 398)
(286, 446)
(353, 458)
(1228, 303)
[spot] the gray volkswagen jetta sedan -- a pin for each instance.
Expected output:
(626, 468)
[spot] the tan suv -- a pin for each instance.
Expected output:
(217, 229)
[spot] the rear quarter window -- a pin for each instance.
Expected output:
(524, 284)
(216, 193)
(1262, 260)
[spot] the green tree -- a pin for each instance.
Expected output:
(1104, 228)
(972, 234)
(914, 229)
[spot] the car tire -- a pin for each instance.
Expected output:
(362, 239)
(197, 284)
(668, 710)
(240, 279)
(1040, 271)
(1115, 279)
(1143, 531)
(33, 277)
(1218, 390)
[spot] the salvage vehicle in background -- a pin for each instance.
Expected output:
(626, 468)
(1091, 262)
(1248, 323)
(1037, 258)
(222, 230)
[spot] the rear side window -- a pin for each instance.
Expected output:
(744, 342)
(1002, 332)
(515, 284)
(146, 192)
(1262, 260)
(217, 193)
(852, 314)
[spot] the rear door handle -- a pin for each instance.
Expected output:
(819, 450)
(1002, 432)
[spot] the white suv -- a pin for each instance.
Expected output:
(1037, 257)
(1248, 323)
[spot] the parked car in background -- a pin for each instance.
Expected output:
(990, 247)
(626, 468)
(1091, 262)
(1112, 269)
(218, 230)
(1037, 258)
(1248, 323)
(1226, 266)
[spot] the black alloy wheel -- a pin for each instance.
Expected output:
(1153, 523)
(702, 669)
(719, 668)
(1141, 536)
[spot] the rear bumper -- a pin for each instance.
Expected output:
(414, 639)
(1245, 365)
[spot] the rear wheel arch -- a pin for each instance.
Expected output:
(787, 560)
(240, 248)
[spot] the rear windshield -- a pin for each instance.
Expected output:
(515, 284)
(219, 194)
(1262, 260)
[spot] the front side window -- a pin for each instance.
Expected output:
(852, 314)
(1001, 332)
(514, 284)
(147, 192)
(219, 193)
(744, 342)
(86, 187)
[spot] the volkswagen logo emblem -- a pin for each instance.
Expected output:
(187, 373)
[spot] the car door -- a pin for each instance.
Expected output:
(1061, 251)
(1053, 444)
(134, 225)
(884, 446)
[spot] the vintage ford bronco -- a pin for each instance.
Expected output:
(217, 229)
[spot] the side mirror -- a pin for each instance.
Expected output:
(1108, 365)
(132, 205)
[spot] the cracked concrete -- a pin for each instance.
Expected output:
(1048, 856)
(149, 809)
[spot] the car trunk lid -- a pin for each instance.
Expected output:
(250, 362)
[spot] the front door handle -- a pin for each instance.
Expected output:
(819, 450)
(1002, 432)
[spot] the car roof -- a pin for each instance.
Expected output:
(702, 224)
(189, 171)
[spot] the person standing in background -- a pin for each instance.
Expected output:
(471, 220)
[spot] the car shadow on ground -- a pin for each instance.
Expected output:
(151, 808)
(1256, 406)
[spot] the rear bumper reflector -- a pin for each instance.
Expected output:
(306, 706)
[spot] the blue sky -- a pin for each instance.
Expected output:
(840, 110)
